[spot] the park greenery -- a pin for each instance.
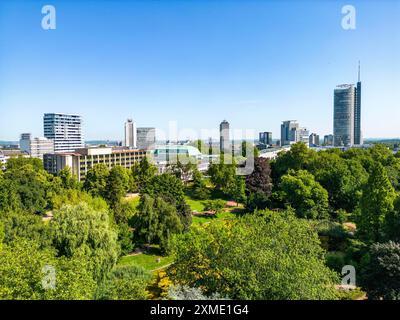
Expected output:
(282, 232)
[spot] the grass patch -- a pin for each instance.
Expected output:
(225, 215)
(146, 260)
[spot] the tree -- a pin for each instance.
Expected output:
(342, 178)
(24, 225)
(265, 256)
(125, 283)
(253, 151)
(237, 189)
(80, 228)
(142, 173)
(381, 274)
(259, 181)
(304, 194)
(297, 158)
(223, 174)
(156, 221)
(117, 185)
(179, 292)
(23, 269)
(125, 238)
(199, 187)
(171, 190)
(27, 183)
(96, 180)
(376, 203)
(215, 206)
(68, 180)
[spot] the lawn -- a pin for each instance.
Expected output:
(220, 216)
(146, 260)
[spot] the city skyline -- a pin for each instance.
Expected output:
(178, 62)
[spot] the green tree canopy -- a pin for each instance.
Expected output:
(304, 194)
(77, 228)
(376, 203)
(254, 257)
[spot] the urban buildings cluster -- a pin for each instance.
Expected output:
(63, 142)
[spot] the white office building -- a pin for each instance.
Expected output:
(65, 130)
(130, 134)
(146, 138)
(36, 147)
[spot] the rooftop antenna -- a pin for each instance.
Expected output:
(359, 76)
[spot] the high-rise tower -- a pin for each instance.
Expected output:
(224, 143)
(65, 130)
(130, 134)
(357, 111)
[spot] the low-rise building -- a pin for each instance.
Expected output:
(81, 160)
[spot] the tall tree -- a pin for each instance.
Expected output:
(376, 203)
(380, 276)
(117, 185)
(96, 180)
(304, 194)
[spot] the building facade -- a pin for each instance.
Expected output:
(328, 140)
(36, 147)
(146, 138)
(65, 130)
(347, 114)
(343, 115)
(314, 140)
(130, 139)
(265, 138)
(357, 112)
(83, 159)
(224, 142)
(287, 132)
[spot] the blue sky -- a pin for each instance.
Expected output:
(254, 63)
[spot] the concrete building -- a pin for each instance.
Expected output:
(83, 159)
(347, 114)
(328, 140)
(5, 155)
(36, 147)
(146, 138)
(65, 130)
(314, 140)
(224, 142)
(343, 115)
(130, 139)
(291, 132)
(357, 111)
(265, 138)
(287, 132)
(301, 135)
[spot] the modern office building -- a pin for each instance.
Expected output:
(287, 132)
(301, 135)
(36, 147)
(83, 159)
(343, 115)
(65, 130)
(224, 142)
(347, 114)
(328, 140)
(265, 138)
(314, 140)
(357, 111)
(130, 134)
(146, 138)
(291, 132)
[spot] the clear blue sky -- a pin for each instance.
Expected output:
(254, 63)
